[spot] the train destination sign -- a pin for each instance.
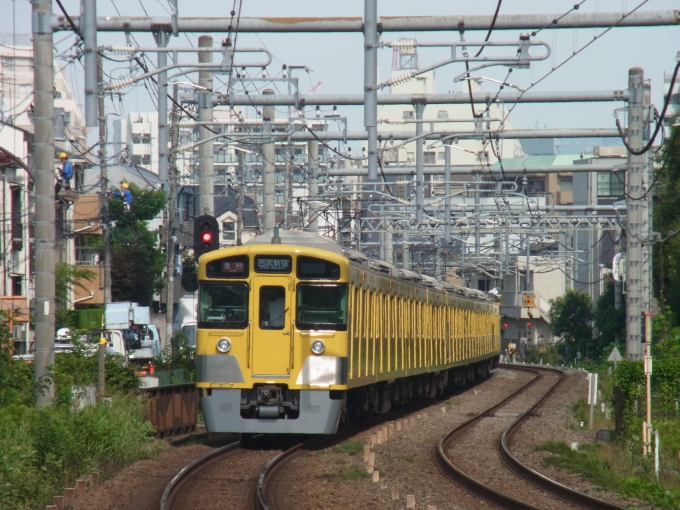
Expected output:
(230, 267)
(281, 264)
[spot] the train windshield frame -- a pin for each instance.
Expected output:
(223, 305)
(321, 306)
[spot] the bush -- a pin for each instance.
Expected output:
(44, 450)
(179, 355)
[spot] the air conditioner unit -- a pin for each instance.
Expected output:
(18, 332)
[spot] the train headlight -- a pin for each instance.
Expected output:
(318, 346)
(223, 345)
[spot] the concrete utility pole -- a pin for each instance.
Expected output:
(172, 211)
(206, 178)
(371, 84)
(104, 186)
(269, 169)
(89, 31)
(161, 38)
(241, 193)
(447, 193)
(313, 180)
(636, 214)
(420, 175)
(290, 170)
(43, 167)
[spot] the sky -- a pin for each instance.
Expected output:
(337, 59)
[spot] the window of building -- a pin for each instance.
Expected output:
(229, 231)
(16, 223)
(67, 118)
(136, 160)
(484, 285)
(609, 184)
(440, 156)
(146, 159)
(536, 186)
(17, 288)
(409, 114)
(429, 158)
(566, 184)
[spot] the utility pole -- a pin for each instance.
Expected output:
(420, 175)
(269, 170)
(370, 30)
(313, 182)
(161, 37)
(447, 193)
(288, 189)
(239, 205)
(172, 211)
(206, 178)
(104, 186)
(43, 165)
(634, 217)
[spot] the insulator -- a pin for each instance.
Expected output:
(121, 83)
(401, 78)
(123, 49)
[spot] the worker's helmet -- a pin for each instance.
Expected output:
(62, 155)
(125, 185)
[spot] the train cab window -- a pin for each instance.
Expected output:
(223, 306)
(272, 307)
(311, 268)
(321, 307)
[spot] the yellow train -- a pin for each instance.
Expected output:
(301, 336)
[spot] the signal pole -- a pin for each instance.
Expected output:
(206, 186)
(268, 174)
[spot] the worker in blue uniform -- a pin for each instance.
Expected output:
(125, 194)
(65, 173)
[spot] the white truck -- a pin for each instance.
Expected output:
(129, 332)
(185, 320)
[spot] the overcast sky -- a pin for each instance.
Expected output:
(337, 59)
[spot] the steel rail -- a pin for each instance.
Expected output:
(173, 488)
(537, 478)
(469, 482)
(522, 470)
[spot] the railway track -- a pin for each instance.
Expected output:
(533, 484)
(264, 469)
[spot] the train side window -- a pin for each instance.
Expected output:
(311, 268)
(272, 307)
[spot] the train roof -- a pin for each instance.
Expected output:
(313, 240)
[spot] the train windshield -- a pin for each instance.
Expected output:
(322, 307)
(223, 306)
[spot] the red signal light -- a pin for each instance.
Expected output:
(206, 237)
(530, 324)
(505, 324)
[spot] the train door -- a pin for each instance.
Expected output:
(273, 326)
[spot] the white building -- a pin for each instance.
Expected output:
(16, 180)
(135, 139)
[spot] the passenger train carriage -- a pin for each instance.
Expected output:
(301, 336)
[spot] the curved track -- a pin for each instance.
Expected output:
(570, 497)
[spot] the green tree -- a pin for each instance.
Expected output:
(610, 322)
(67, 277)
(571, 319)
(666, 217)
(137, 262)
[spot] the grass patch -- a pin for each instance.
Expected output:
(349, 447)
(611, 468)
(408, 458)
(354, 474)
(44, 450)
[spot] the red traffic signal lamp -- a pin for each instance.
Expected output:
(206, 235)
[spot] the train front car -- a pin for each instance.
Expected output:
(271, 350)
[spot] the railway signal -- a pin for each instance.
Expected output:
(530, 324)
(504, 326)
(206, 235)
